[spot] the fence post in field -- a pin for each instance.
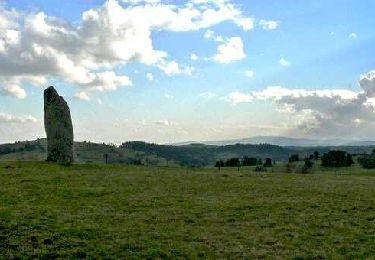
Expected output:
(106, 158)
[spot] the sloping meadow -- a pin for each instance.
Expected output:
(116, 211)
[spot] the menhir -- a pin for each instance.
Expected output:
(59, 128)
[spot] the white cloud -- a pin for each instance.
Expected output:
(13, 90)
(108, 80)
(268, 24)
(238, 97)
(149, 76)
(285, 63)
(322, 112)
(353, 36)
(194, 57)
(135, 2)
(82, 96)
(246, 23)
(278, 93)
(163, 123)
(19, 127)
(249, 73)
(367, 82)
(211, 35)
(44, 47)
(86, 53)
(231, 50)
(10, 118)
(173, 68)
(168, 96)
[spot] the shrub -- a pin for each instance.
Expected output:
(219, 164)
(308, 163)
(268, 163)
(294, 158)
(249, 161)
(260, 162)
(367, 161)
(337, 159)
(307, 166)
(260, 169)
(233, 162)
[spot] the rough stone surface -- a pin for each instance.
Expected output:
(59, 127)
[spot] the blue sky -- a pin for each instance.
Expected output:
(204, 70)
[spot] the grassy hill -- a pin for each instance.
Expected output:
(144, 153)
(118, 211)
(162, 155)
(84, 152)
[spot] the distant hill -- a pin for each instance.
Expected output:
(84, 152)
(286, 142)
(275, 140)
(196, 154)
(204, 155)
(145, 153)
(361, 143)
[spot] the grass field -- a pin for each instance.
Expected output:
(114, 211)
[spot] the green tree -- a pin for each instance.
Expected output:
(337, 159)
(268, 162)
(294, 158)
(233, 162)
(219, 164)
(307, 166)
(249, 161)
(260, 162)
(367, 161)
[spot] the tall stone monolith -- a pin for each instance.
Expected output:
(59, 128)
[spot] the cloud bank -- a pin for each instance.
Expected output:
(327, 112)
(35, 47)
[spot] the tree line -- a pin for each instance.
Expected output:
(367, 161)
(329, 159)
(21, 147)
(245, 161)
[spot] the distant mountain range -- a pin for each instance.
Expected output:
(286, 141)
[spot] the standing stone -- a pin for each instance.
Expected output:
(59, 128)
